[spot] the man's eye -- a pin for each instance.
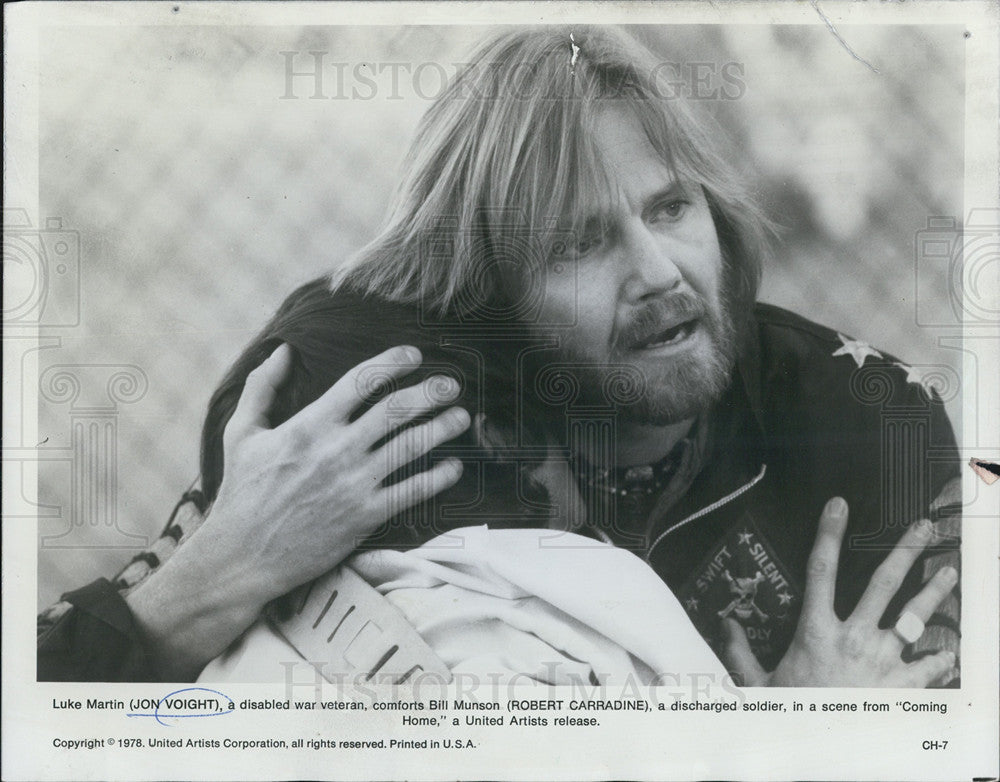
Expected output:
(672, 210)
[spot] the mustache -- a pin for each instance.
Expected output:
(658, 315)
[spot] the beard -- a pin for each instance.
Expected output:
(661, 390)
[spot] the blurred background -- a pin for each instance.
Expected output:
(203, 186)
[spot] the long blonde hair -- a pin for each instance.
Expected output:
(504, 163)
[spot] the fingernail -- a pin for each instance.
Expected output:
(411, 353)
(836, 507)
(949, 658)
(949, 574)
(925, 528)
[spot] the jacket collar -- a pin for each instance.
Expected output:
(744, 397)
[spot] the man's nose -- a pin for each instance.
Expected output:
(651, 268)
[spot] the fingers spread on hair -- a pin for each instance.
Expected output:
(418, 488)
(414, 442)
(401, 407)
(259, 391)
(361, 383)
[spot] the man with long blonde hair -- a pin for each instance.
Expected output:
(562, 183)
(560, 190)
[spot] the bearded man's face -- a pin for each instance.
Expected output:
(647, 288)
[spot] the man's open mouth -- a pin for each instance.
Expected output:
(669, 336)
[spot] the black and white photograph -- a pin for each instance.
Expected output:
(500, 377)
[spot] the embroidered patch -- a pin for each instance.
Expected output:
(741, 578)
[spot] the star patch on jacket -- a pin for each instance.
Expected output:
(856, 349)
(741, 578)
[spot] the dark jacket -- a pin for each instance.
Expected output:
(810, 415)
